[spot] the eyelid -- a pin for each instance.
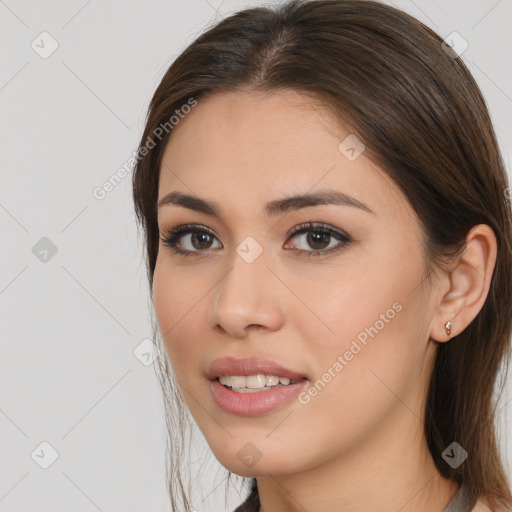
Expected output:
(317, 226)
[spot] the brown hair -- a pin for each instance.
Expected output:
(423, 119)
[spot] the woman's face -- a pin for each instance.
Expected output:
(354, 321)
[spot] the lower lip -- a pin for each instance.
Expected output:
(250, 404)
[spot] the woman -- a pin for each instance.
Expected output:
(328, 242)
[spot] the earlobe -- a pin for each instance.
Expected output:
(448, 327)
(469, 283)
(449, 332)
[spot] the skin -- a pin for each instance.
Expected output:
(358, 445)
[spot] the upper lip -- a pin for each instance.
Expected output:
(250, 366)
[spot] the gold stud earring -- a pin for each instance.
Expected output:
(448, 327)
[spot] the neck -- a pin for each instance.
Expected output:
(385, 472)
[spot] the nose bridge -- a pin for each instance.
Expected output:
(246, 294)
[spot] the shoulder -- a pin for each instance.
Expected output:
(481, 506)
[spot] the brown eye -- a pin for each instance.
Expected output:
(189, 239)
(319, 238)
(201, 241)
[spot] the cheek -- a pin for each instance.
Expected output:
(370, 333)
(165, 299)
(357, 383)
(373, 300)
(342, 304)
(177, 302)
(369, 319)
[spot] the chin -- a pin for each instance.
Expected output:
(247, 462)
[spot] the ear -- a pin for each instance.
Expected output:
(468, 284)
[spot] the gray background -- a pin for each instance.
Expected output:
(70, 324)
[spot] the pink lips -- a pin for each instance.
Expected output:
(250, 366)
(261, 402)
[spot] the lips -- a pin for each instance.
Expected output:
(250, 366)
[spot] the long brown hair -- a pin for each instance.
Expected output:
(422, 117)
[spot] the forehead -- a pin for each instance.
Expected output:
(249, 128)
(241, 147)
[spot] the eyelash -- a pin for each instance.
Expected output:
(170, 239)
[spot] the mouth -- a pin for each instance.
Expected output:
(253, 402)
(255, 383)
(251, 368)
(253, 386)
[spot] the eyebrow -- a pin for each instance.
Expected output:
(272, 208)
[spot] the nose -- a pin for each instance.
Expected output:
(248, 297)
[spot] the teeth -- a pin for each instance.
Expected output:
(271, 380)
(253, 381)
(256, 382)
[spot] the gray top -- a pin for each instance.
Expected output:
(460, 501)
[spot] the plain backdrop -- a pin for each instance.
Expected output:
(81, 425)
